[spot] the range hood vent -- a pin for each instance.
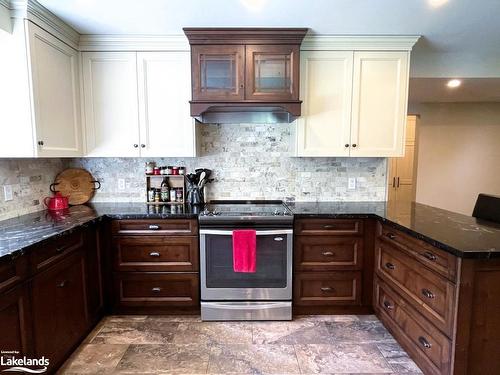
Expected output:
(245, 75)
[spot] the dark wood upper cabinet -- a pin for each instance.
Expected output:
(245, 68)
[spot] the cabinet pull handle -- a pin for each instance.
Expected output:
(354, 145)
(60, 249)
(388, 306)
(391, 235)
(328, 226)
(154, 254)
(347, 145)
(430, 256)
(154, 226)
(40, 143)
(241, 85)
(156, 289)
(390, 266)
(143, 145)
(326, 289)
(278, 238)
(398, 182)
(424, 342)
(427, 293)
(62, 284)
(136, 145)
(327, 253)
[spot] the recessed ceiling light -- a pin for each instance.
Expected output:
(437, 3)
(254, 5)
(452, 83)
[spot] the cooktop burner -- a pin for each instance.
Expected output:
(238, 210)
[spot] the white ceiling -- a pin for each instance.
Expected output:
(461, 38)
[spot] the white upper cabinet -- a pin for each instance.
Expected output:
(164, 83)
(55, 94)
(326, 89)
(379, 104)
(111, 109)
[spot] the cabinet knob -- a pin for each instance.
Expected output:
(62, 284)
(390, 266)
(327, 226)
(424, 342)
(326, 289)
(156, 289)
(430, 256)
(143, 145)
(40, 143)
(242, 85)
(427, 293)
(388, 305)
(327, 253)
(354, 145)
(154, 254)
(391, 235)
(347, 145)
(154, 227)
(136, 145)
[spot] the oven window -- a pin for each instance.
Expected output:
(270, 272)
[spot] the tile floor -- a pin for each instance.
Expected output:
(340, 344)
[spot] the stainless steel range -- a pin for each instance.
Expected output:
(263, 295)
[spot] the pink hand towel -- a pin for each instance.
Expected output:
(244, 250)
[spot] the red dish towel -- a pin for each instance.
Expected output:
(244, 250)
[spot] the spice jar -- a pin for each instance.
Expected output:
(172, 195)
(157, 195)
(151, 195)
(175, 171)
(178, 195)
(156, 170)
(150, 167)
(182, 170)
(169, 169)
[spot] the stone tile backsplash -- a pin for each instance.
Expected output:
(30, 180)
(250, 162)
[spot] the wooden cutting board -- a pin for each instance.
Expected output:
(77, 184)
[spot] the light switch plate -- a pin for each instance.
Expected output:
(7, 193)
(121, 184)
(351, 184)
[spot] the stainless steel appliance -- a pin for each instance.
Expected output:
(263, 295)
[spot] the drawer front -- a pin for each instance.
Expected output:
(150, 253)
(329, 227)
(438, 260)
(150, 227)
(157, 289)
(431, 294)
(327, 288)
(430, 348)
(328, 253)
(55, 250)
(12, 271)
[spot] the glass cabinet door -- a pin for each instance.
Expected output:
(272, 72)
(218, 72)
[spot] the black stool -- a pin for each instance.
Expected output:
(487, 208)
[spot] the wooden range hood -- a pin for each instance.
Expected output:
(245, 74)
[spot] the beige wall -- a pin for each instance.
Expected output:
(458, 154)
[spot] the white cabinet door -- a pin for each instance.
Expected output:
(55, 94)
(379, 104)
(111, 115)
(326, 89)
(164, 80)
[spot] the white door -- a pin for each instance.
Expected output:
(326, 89)
(380, 97)
(111, 114)
(55, 94)
(164, 81)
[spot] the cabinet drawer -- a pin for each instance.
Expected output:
(155, 253)
(155, 227)
(55, 250)
(12, 271)
(430, 294)
(328, 253)
(327, 288)
(438, 260)
(157, 289)
(429, 347)
(329, 227)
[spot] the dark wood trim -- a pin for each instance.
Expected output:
(199, 107)
(248, 35)
(332, 310)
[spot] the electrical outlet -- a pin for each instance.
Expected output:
(121, 184)
(7, 193)
(351, 185)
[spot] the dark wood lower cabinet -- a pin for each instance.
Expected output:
(60, 309)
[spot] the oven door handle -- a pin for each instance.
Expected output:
(259, 232)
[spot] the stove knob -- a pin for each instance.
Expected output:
(276, 212)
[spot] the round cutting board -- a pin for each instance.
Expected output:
(77, 184)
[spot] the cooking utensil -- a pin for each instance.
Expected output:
(77, 184)
(202, 178)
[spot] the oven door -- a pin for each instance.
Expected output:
(272, 279)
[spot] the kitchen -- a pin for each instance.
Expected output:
(249, 191)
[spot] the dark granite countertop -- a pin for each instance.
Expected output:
(19, 234)
(459, 234)
(462, 235)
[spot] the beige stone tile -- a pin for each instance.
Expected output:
(289, 333)
(94, 359)
(341, 359)
(214, 333)
(136, 332)
(363, 331)
(253, 359)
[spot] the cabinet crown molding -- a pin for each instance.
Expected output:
(36, 13)
(94, 43)
(359, 42)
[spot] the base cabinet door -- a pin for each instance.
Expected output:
(15, 321)
(59, 309)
